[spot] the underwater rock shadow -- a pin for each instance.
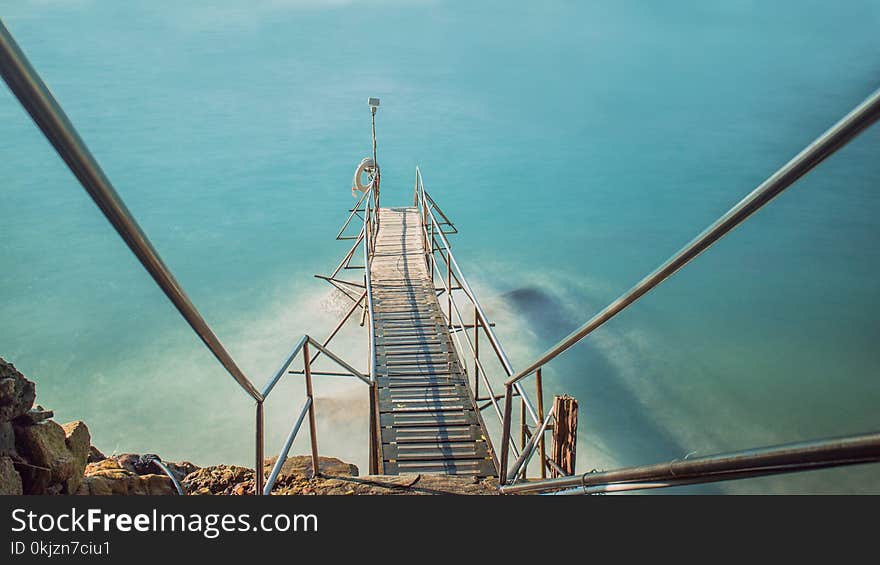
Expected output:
(607, 405)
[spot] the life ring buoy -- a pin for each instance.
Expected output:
(368, 166)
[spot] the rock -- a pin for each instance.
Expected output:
(407, 485)
(17, 394)
(7, 439)
(34, 416)
(108, 477)
(300, 467)
(128, 461)
(49, 466)
(338, 478)
(181, 469)
(95, 454)
(10, 480)
(146, 465)
(220, 479)
(78, 440)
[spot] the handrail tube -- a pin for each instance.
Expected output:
(288, 443)
(851, 125)
(353, 212)
(493, 398)
(529, 449)
(482, 371)
(36, 98)
(339, 325)
(348, 256)
(368, 284)
(339, 361)
(847, 450)
(493, 339)
(280, 372)
(325, 374)
(165, 469)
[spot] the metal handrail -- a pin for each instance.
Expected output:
(302, 346)
(39, 102)
(165, 469)
(860, 118)
(794, 457)
(429, 221)
(851, 125)
(481, 315)
(368, 281)
(288, 443)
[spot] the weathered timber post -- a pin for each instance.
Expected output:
(565, 409)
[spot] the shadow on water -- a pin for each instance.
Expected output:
(608, 408)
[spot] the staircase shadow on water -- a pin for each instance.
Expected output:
(608, 408)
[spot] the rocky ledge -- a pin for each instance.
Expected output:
(40, 456)
(335, 478)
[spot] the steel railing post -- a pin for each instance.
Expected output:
(476, 354)
(259, 477)
(539, 391)
(313, 431)
(505, 435)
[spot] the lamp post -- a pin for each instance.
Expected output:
(374, 105)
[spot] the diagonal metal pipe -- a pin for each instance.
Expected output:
(34, 95)
(850, 126)
(802, 456)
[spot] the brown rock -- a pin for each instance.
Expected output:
(17, 394)
(180, 469)
(220, 479)
(7, 439)
(146, 465)
(10, 480)
(95, 454)
(34, 416)
(78, 441)
(49, 463)
(300, 467)
(108, 477)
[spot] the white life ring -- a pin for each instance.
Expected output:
(368, 166)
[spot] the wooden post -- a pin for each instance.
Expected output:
(565, 409)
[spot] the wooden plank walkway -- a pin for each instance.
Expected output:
(427, 414)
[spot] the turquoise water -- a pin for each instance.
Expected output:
(576, 145)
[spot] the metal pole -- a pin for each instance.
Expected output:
(374, 431)
(863, 116)
(476, 354)
(526, 454)
(36, 98)
(431, 250)
(258, 467)
(288, 443)
(449, 289)
(161, 464)
(803, 456)
(313, 430)
(539, 392)
(487, 326)
(375, 160)
(522, 432)
(505, 434)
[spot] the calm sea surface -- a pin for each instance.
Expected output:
(576, 145)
